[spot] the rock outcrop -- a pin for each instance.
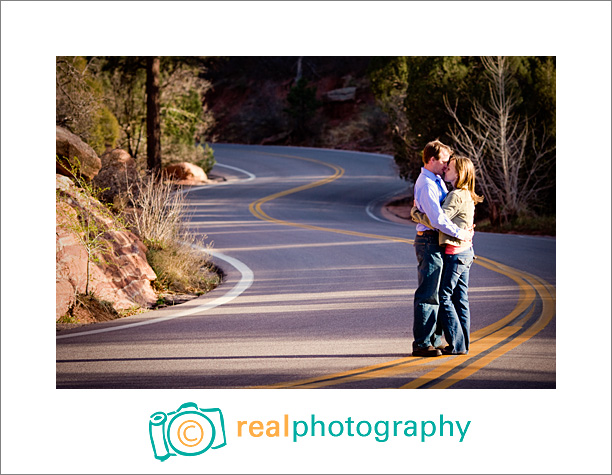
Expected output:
(185, 173)
(121, 276)
(118, 172)
(341, 95)
(70, 257)
(78, 153)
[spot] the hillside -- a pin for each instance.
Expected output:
(250, 101)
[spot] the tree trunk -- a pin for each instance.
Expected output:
(495, 216)
(153, 116)
(299, 69)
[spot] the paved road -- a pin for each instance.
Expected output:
(318, 292)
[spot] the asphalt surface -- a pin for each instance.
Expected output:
(318, 292)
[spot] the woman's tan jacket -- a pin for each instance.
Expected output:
(459, 207)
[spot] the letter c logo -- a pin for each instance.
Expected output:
(182, 431)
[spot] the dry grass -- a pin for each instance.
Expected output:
(535, 225)
(182, 268)
(89, 309)
(159, 212)
(158, 219)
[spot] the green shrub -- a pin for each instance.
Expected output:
(182, 116)
(104, 131)
(207, 162)
(302, 106)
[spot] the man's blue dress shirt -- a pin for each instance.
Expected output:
(429, 192)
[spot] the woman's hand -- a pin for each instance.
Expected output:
(467, 234)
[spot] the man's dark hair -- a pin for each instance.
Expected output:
(433, 149)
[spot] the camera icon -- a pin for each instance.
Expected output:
(189, 431)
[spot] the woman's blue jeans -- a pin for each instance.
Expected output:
(454, 305)
(426, 300)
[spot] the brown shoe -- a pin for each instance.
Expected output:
(429, 351)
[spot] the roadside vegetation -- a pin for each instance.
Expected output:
(86, 217)
(156, 212)
(159, 217)
(103, 100)
(499, 111)
(536, 225)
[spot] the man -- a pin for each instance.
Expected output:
(429, 192)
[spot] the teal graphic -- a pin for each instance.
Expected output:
(190, 430)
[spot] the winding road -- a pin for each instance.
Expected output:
(318, 292)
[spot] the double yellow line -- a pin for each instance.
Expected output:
(500, 337)
(488, 343)
(255, 207)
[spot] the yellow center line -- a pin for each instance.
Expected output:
(389, 372)
(525, 319)
(451, 363)
(548, 312)
(257, 211)
(484, 343)
(405, 365)
(483, 339)
(526, 295)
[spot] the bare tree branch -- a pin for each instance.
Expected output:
(509, 175)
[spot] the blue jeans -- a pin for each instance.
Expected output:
(426, 302)
(454, 305)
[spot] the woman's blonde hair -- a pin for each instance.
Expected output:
(466, 176)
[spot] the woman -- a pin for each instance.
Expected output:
(458, 257)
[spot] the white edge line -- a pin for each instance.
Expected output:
(249, 174)
(378, 201)
(245, 282)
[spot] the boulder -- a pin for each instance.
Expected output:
(185, 173)
(121, 277)
(341, 95)
(70, 147)
(117, 174)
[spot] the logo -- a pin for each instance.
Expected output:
(189, 431)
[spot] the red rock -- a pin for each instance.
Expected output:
(64, 298)
(70, 147)
(121, 277)
(118, 172)
(185, 173)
